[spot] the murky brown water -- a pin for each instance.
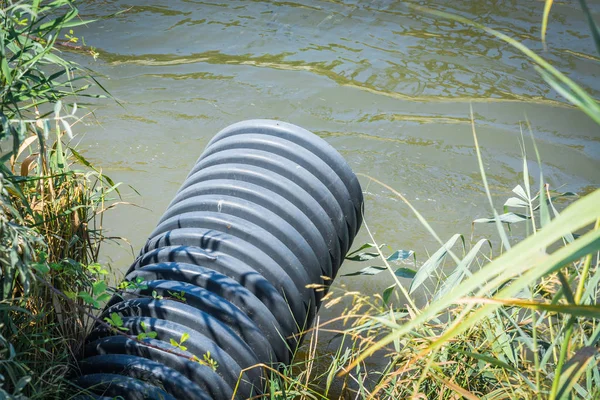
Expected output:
(388, 87)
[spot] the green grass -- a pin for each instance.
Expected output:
(51, 203)
(522, 321)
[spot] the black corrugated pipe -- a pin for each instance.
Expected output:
(268, 210)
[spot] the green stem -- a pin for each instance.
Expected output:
(536, 356)
(561, 358)
(570, 322)
(585, 272)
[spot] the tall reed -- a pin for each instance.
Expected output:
(521, 321)
(51, 205)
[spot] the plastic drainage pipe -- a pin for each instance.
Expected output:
(234, 271)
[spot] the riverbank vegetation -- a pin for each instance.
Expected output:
(51, 202)
(516, 320)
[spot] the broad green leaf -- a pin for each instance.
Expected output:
(116, 319)
(42, 268)
(103, 298)
(387, 293)
(185, 336)
(99, 287)
(356, 255)
(88, 299)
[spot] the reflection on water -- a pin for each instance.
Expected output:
(388, 87)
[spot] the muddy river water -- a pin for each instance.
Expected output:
(388, 86)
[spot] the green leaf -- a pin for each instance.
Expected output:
(57, 108)
(405, 273)
(387, 293)
(99, 287)
(516, 202)
(6, 70)
(435, 261)
(363, 256)
(173, 342)
(593, 27)
(367, 271)
(87, 298)
(103, 298)
(354, 254)
(67, 128)
(374, 270)
(577, 310)
(116, 319)
(80, 158)
(70, 294)
(507, 218)
(488, 359)
(24, 381)
(185, 336)
(461, 270)
(152, 335)
(573, 369)
(519, 191)
(42, 268)
(520, 266)
(400, 255)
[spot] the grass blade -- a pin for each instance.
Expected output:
(593, 27)
(524, 256)
(547, 7)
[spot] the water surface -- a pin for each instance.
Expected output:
(387, 86)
